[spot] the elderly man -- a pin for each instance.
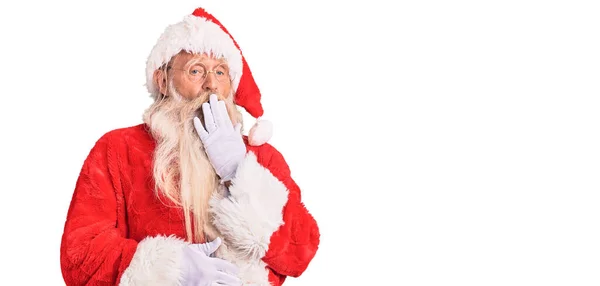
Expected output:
(185, 198)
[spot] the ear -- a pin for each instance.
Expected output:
(160, 80)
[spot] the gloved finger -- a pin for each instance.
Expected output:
(214, 106)
(225, 266)
(213, 246)
(227, 279)
(207, 248)
(200, 129)
(225, 121)
(209, 119)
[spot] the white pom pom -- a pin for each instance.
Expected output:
(260, 132)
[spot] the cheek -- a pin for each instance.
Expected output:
(186, 88)
(225, 87)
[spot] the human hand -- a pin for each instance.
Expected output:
(222, 141)
(199, 269)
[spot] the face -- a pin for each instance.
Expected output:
(193, 75)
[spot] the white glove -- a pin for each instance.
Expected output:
(199, 269)
(222, 141)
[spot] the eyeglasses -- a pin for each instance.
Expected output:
(198, 72)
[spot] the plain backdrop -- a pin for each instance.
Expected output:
(436, 142)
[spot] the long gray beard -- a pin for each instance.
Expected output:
(182, 171)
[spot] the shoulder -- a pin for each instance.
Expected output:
(135, 132)
(269, 157)
(126, 135)
(120, 139)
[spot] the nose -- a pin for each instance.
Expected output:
(210, 83)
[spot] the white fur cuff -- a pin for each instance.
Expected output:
(253, 211)
(155, 262)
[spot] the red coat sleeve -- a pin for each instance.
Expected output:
(263, 217)
(95, 249)
(295, 243)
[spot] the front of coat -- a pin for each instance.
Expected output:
(118, 232)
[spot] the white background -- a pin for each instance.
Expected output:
(436, 142)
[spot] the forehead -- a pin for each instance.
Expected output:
(183, 58)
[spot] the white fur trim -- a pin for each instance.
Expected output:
(260, 132)
(253, 211)
(195, 35)
(252, 272)
(156, 262)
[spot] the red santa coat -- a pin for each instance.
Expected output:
(117, 231)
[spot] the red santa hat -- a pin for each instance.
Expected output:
(199, 33)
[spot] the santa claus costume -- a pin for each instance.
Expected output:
(118, 231)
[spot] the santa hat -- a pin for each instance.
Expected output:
(199, 33)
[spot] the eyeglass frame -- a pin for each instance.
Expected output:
(206, 71)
